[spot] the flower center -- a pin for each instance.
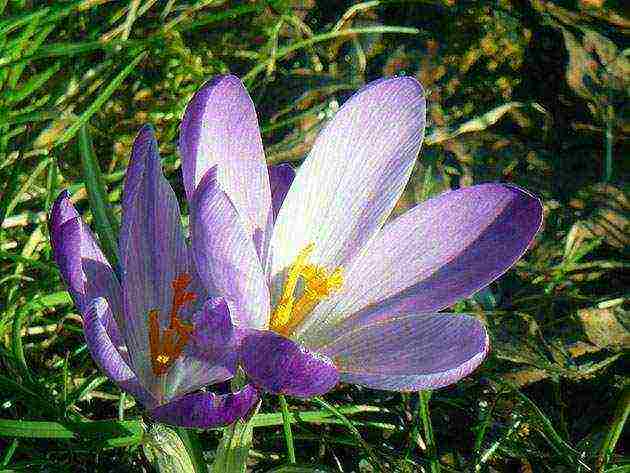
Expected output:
(318, 283)
(167, 347)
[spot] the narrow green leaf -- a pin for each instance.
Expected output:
(16, 342)
(33, 175)
(288, 434)
(104, 220)
(104, 434)
(56, 299)
(192, 444)
(10, 386)
(300, 469)
(166, 451)
(425, 419)
(616, 428)
(249, 78)
(618, 469)
(100, 101)
(8, 453)
(86, 388)
(33, 84)
(350, 426)
(234, 448)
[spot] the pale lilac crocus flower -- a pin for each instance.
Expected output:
(155, 330)
(329, 291)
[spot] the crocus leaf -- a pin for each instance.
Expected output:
(300, 469)
(233, 450)
(104, 220)
(169, 450)
(104, 434)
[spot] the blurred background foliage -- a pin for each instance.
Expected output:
(531, 92)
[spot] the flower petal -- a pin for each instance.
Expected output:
(107, 355)
(83, 266)
(207, 410)
(281, 366)
(210, 356)
(411, 352)
(225, 255)
(280, 179)
(220, 127)
(439, 252)
(145, 146)
(214, 333)
(153, 253)
(353, 176)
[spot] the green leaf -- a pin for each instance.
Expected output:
(234, 447)
(100, 101)
(104, 434)
(300, 469)
(616, 428)
(104, 219)
(288, 434)
(169, 452)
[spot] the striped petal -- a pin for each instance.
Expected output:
(83, 266)
(207, 410)
(280, 179)
(220, 127)
(439, 252)
(409, 353)
(353, 176)
(281, 366)
(210, 356)
(106, 354)
(153, 250)
(225, 256)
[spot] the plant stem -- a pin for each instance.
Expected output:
(423, 413)
(288, 433)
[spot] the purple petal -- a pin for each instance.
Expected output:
(220, 127)
(83, 266)
(214, 332)
(153, 250)
(225, 255)
(106, 355)
(281, 366)
(438, 253)
(207, 410)
(411, 352)
(210, 356)
(145, 146)
(353, 176)
(280, 179)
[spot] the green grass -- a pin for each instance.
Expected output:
(506, 102)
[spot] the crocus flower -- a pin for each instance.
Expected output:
(155, 330)
(330, 291)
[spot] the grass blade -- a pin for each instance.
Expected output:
(105, 434)
(100, 100)
(616, 428)
(288, 434)
(424, 417)
(104, 220)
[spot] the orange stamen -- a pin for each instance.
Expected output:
(167, 348)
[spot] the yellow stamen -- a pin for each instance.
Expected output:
(318, 284)
(282, 313)
(162, 359)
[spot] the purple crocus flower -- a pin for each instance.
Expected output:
(155, 331)
(330, 290)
